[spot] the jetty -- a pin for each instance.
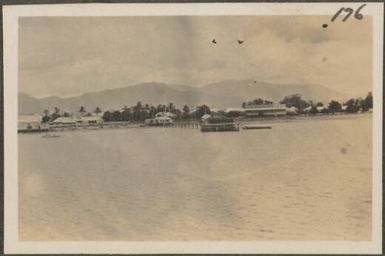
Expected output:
(219, 124)
(220, 127)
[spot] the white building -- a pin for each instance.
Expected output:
(205, 117)
(239, 110)
(63, 121)
(73, 121)
(90, 120)
(165, 114)
(31, 122)
(307, 110)
(159, 121)
(321, 109)
(265, 110)
(292, 110)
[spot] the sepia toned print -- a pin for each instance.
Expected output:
(190, 128)
(129, 163)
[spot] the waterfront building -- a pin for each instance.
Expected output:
(322, 109)
(205, 117)
(307, 110)
(235, 111)
(90, 120)
(265, 110)
(165, 114)
(292, 111)
(30, 123)
(159, 121)
(63, 121)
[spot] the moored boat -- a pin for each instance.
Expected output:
(255, 126)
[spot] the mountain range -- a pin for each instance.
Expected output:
(224, 94)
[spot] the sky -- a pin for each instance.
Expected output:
(67, 56)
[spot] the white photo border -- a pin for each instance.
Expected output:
(12, 245)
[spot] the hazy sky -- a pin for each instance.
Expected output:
(67, 56)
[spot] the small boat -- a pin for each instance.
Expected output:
(255, 126)
(48, 135)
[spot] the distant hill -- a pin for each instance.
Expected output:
(230, 93)
(28, 104)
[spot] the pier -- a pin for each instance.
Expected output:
(190, 125)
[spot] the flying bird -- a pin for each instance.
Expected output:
(240, 42)
(214, 42)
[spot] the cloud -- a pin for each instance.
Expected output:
(66, 55)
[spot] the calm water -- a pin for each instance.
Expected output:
(302, 180)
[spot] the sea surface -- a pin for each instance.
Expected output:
(302, 180)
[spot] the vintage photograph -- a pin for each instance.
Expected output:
(195, 127)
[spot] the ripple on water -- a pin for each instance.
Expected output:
(180, 184)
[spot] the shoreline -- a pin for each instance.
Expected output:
(194, 123)
(304, 118)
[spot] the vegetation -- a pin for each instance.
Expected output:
(97, 110)
(257, 101)
(82, 109)
(296, 101)
(140, 112)
(367, 103)
(201, 111)
(334, 107)
(46, 117)
(186, 112)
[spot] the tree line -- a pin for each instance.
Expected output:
(140, 112)
(49, 116)
(350, 106)
(135, 113)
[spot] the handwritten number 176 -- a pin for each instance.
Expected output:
(349, 11)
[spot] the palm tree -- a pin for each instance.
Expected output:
(152, 111)
(97, 110)
(46, 117)
(171, 107)
(137, 110)
(186, 111)
(82, 110)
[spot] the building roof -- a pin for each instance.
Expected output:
(205, 116)
(64, 120)
(235, 109)
(216, 110)
(266, 107)
(167, 114)
(162, 118)
(257, 106)
(29, 118)
(292, 110)
(320, 108)
(91, 118)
